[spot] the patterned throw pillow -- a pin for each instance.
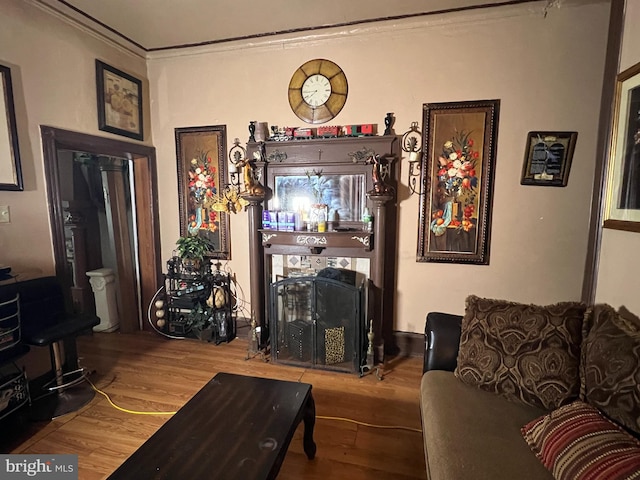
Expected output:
(576, 442)
(610, 367)
(526, 353)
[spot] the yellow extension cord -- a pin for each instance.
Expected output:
(124, 409)
(394, 427)
(321, 417)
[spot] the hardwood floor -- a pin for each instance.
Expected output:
(145, 372)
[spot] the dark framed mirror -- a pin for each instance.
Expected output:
(10, 170)
(343, 193)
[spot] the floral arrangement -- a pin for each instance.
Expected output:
(458, 182)
(203, 188)
(201, 180)
(457, 164)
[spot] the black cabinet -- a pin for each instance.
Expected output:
(14, 389)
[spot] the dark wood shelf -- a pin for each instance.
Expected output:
(318, 241)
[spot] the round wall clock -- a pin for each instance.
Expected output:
(318, 91)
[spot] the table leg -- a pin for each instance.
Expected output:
(309, 419)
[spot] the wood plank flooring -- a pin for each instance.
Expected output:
(145, 372)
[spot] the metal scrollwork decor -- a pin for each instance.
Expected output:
(363, 240)
(310, 240)
(277, 156)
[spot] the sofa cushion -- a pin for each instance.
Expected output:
(576, 442)
(526, 353)
(470, 434)
(610, 368)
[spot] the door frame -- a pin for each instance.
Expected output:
(146, 201)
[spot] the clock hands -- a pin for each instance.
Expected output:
(316, 90)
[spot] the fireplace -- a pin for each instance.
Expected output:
(318, 322)
(348, 165)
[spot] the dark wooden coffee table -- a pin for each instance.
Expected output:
(235, 427)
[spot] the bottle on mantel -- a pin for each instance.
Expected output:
(331, 220)
(367, 220)
(322, 220)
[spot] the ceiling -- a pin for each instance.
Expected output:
(152, 25)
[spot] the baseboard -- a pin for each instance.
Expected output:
(408, 344)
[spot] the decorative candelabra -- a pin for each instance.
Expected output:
(412, 144)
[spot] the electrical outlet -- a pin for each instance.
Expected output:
(4, 214)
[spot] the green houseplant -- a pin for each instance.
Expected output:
(193, 248)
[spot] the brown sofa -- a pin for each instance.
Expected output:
(476, 400)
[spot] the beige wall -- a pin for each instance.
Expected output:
(547, 72)
(53, 72)
(619, 259)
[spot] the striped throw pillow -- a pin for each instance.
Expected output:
(575, 442)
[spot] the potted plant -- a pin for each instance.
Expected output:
(192, 249)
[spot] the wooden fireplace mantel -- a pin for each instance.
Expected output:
(342, 156)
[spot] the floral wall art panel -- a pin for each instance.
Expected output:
(201, 154)
(457, 181)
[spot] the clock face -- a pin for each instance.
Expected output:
(318, 91)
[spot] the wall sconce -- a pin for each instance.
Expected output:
(228, 198)
(412, 144)
(237, 158)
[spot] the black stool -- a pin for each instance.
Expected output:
(43, 303)
(67, 395)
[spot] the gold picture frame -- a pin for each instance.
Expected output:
(622, 200)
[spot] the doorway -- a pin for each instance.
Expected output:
(115, 205)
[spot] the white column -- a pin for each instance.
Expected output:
(103, 284)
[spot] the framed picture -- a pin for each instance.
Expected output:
(457, 180)
(119, 102)
(622, 200)
(10, 167)
(201, 154)
(547, 158)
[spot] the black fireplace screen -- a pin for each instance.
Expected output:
(318, 322)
